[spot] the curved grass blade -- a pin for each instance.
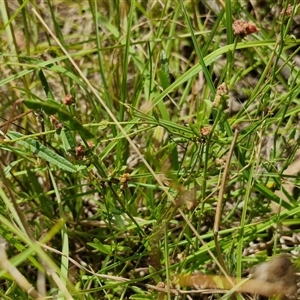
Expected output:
(51, 108)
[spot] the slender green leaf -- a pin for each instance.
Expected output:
(106, 249)
(43, 152)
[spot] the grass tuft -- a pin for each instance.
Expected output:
(143, 142)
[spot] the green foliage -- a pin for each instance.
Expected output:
(116, 191)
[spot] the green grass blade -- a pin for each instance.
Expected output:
(43, 152)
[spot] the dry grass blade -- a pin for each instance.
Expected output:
(220, 198)
(276, 277)
(19, 278)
